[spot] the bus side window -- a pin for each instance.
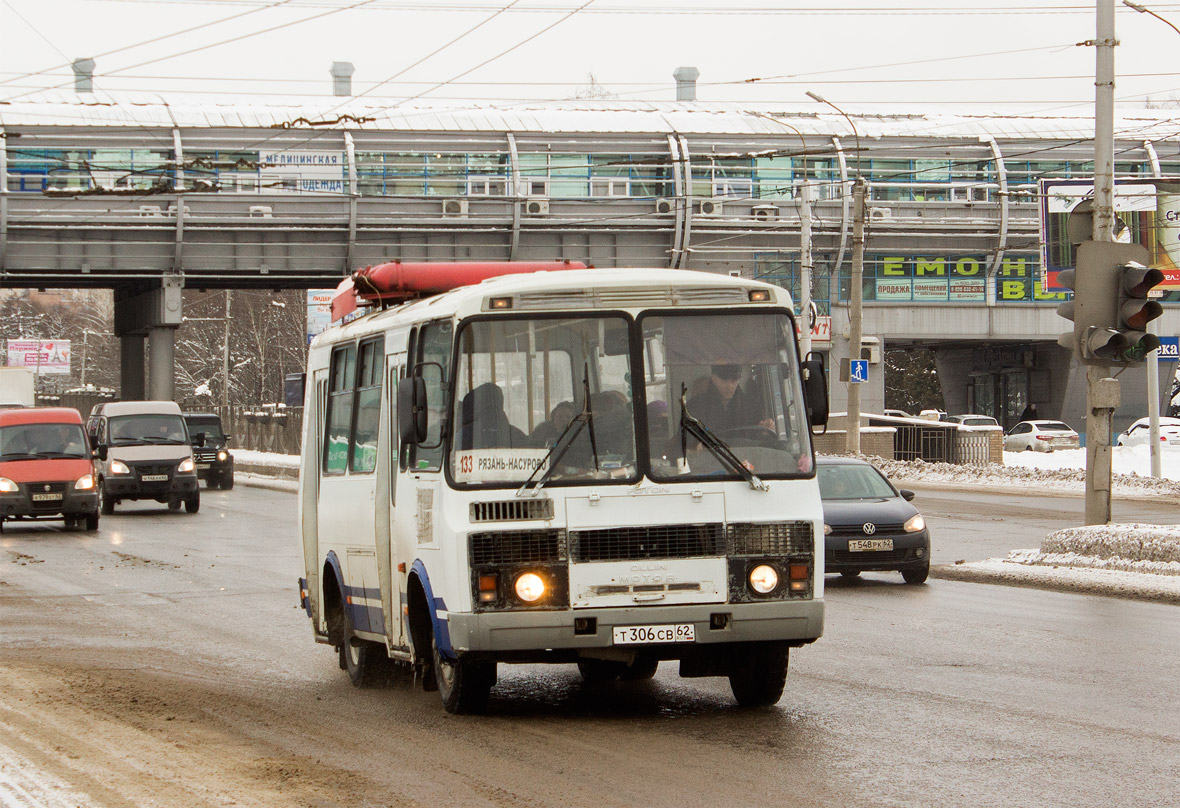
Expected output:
(338, 420)
(433, 360)
(367, 420)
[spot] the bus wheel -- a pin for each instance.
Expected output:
(366, 662)
(758, 673)
(463, 685)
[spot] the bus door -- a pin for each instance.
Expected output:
(309, 480)
(348, 481)
(389, 553)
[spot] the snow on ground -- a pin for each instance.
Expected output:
(1126, 560)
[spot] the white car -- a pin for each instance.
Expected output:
(1139, 433)
(973, 420)
(1040, 436)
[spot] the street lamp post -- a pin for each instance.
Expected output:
(856, 290)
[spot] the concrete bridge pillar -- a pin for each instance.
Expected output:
(131, 379)
(162, 363)
(154, 313)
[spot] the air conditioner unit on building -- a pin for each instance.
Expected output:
(535, 207)
(707, 206)
(261, 212)
(765, 213)
(455, 208)
(876, 214)
(150, 210)
(870, 349)
(172, 210)
(665, 205)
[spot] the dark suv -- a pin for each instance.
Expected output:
(215, 465)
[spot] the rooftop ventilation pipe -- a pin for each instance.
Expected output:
(342, 78)
(686, 83)
(83, 75)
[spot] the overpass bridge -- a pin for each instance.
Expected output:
(149, 196)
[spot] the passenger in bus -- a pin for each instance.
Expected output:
(547, 432)
(483, 424)
(724, 405)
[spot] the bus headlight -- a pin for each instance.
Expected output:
(763, 579)
(84, 483)
(530, 587)
(914, 524)
(118, 467)
(186, 465)
(7, 486)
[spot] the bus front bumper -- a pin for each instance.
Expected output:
(794, 622)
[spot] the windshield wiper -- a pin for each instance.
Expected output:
(691, 425)
(161, 440)
(583, 420)
(19, 456)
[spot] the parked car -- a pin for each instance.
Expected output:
(1040, 436)
(45, 471)
(1139, 433)
(869, 524)
(215, 464)
(897, 413)
(143, 452)
(973, 420)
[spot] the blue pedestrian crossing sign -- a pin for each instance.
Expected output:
(858, 371)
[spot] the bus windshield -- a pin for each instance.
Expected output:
(523, 385)
(735, 373)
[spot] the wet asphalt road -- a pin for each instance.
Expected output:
(164, 661)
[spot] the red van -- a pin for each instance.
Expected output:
(45, 470)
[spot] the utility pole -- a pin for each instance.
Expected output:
(1102, 392)
(855, 310)
(225, 359)
(805, 267)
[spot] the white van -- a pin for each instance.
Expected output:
(143, 453)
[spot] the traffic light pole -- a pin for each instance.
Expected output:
(1102, 392)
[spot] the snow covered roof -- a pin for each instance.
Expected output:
(58, 109)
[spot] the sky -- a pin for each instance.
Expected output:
(973, 55)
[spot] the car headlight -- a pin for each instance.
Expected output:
(119, 467)
(85, 483)
(186, 465)
(530, 587)
(827, 529)
(763, 579)
(7, 486)
(914, 524)
(223, 455)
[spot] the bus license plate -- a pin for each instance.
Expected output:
(47, 497)
(644, 635)
(869, 545)
(154, 478)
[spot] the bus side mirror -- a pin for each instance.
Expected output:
(815, 389)
(411, 409)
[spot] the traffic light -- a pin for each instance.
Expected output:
(1110, 307)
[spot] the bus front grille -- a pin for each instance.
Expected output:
(654, 541)
(518, 510)
(773, 538)
(517, 546)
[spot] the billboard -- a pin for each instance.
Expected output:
(43, 356)
(1147, 213)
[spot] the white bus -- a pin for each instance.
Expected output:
(608, 468)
